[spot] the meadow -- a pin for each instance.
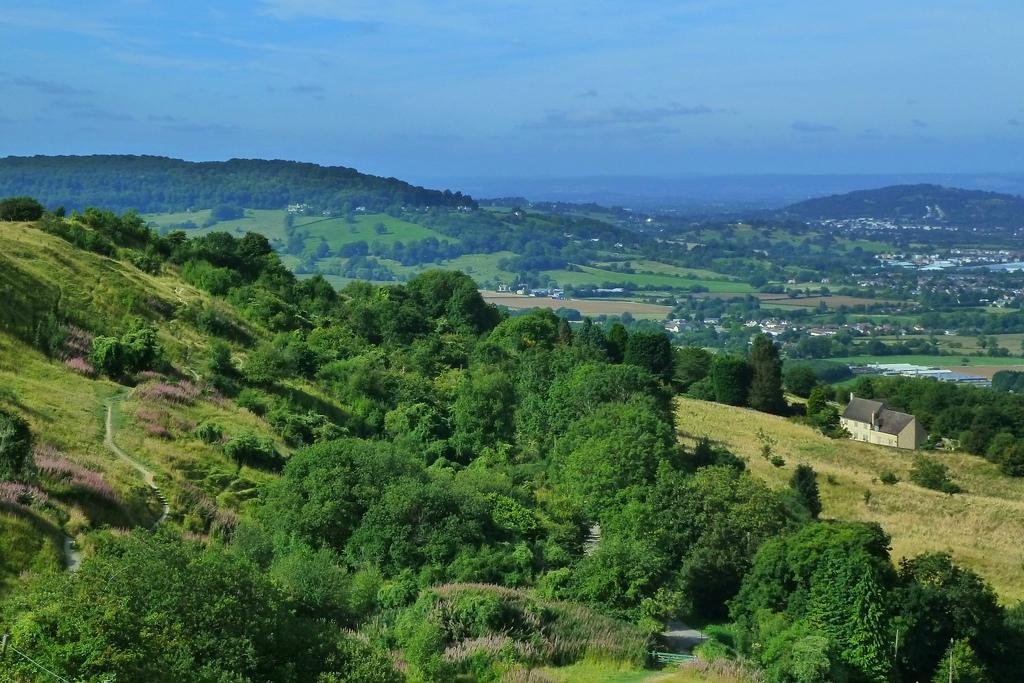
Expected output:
(589, 276)
(983, 528)
(591, 307)
(982, 365)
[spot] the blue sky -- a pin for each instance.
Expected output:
(523, 88)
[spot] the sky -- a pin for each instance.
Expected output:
(439, 90)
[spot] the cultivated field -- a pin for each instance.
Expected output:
(584, 306)
(983, 529)
(589, 276)
(986, 366)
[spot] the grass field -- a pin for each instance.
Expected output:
(979, 366)
(983, 528)
(956, 343)
(657, 267)
(584, 306)
(589, 276)
(481, 267)
(338, 231)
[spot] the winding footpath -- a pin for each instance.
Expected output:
(147, 474)
(72, 555)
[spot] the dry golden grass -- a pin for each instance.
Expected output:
(983, 529)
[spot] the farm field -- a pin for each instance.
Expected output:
(973, 365)
(589, 276)
(338, 231)
(955, 343)
(481, 267)
(269, 222)
(657, 267)
(983, 528)
(585, 306)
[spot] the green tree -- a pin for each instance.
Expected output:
(962, 665)
(730, 377)
(617, 340)
(152, 608)
(650, 350)
(849, 603)
(766, 376)
(107, 356)
(940, 602)
(800, 380)
(482, 413)
(612, 454)
(817, 400)
(804, 483)
(325, 489)
(691, 365)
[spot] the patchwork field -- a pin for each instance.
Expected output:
(983, 528)
(585, 306)
(590, 276)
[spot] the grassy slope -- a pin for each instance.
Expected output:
(68, 411)
(983, 529)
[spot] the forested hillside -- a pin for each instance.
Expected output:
(918, 204)
(401, 482)
(158, 184)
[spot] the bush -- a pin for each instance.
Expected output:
(209, 432)
(249, 449)
(932, 474)
(20, 209)
(255, 401)
(889, 478)
(15, 447)
(136, 350)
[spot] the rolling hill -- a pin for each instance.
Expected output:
(160, 184)
(917, 204)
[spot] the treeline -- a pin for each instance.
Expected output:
(984, 422)
(152, 184)
(753, 380)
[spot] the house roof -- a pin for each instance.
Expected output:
(861, 409)
(889, 421)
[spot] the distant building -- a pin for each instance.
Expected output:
(873, 422)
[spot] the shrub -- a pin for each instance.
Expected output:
(255, 401)
(889, 478)
(805, 483)
(20, 209)
(209, 432)
(249, 449)
(15, 447)
(932, 474)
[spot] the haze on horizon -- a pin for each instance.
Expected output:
(523, 88)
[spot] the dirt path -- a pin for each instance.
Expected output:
(147, 474)
(72, 555)
(681, 638)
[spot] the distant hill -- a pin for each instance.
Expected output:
(929, 204)
(153, 184)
